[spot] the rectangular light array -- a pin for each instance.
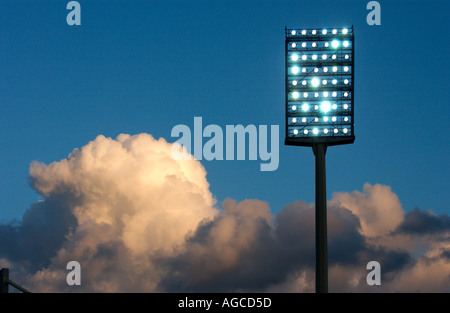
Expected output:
(319, 86)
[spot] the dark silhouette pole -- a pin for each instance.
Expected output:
(319, 150)
(4, 276)
(5, 282)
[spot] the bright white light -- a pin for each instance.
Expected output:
(334, 81)
(325, 131)
(304, 70)
(293, 32)
(345, 94)
(325, 106)
(314, 57)
(303, 32)
(305, 95)
(335, 130)
(325, 119)
(334, 31)
(316, 119)
(333, 119)
(314, 32)
(304, 57)
(346, 81)
(305, 107)
(295, 131)
(305, 132)
(295, 70)
(345, 130)
(325, 94)
(335, 43)
(316, 70)
(304, 83)
(325, 69)
(294, 82)
(294, 120)
(346, 69)
(315, 131)
(346, 43)
(335, 68)
(294, 107)
(315, 82)
(334, 106)
(304, 45)
(294, 45)
(346, 119)
(324, 82)
(334, 94)
(347, 56)
(314, 44)
(316, 94)
(345, 106)
(345, 31)
(316, 107)
(326, 45)
(324, 32)
(334, 57)
(304, 120)
(294, 57)
(324, 57)
(295, 95)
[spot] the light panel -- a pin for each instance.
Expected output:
(319, 86)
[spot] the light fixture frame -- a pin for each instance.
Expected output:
(330, 139)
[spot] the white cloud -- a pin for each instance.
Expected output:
(138, 220)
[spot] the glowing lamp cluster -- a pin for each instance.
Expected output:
(319, 86)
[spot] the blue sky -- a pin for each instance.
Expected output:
(146, 66)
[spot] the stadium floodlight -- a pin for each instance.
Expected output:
(323, 60)
(330, 74)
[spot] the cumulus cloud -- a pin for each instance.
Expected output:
(377, 207)
(138, 220)
(246, 249)
(110, 205)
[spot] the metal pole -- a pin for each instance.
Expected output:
(4, 276)
(319, 150)
(20, 288)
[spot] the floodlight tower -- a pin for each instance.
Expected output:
(320, 109)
